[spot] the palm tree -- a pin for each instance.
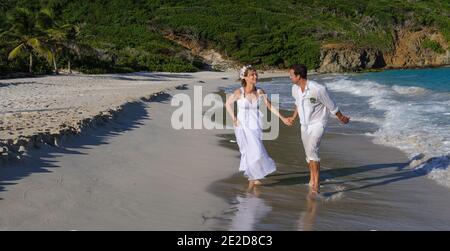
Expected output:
(73, 45)
(62, 39)
(54, 35)
(65, 41)
(28, 36)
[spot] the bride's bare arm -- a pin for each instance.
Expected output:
(229, 104)
(272, 108)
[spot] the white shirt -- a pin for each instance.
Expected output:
(314, 104)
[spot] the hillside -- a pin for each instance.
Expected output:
(331, 36)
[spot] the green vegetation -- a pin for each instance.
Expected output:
(433, 45)
(128, 35)
(279, 32)
(93, 37)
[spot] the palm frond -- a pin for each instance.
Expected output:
(56, 34)
(4, 33)
(41, 49)
(16, 51)
(45, 19)
(23, 19)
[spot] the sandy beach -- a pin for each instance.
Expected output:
(138, 173)
(134, 173)
(43, 109)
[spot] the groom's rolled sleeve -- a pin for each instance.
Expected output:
(325, 99)
(294, 90)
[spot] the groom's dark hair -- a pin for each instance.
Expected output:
(299, 70)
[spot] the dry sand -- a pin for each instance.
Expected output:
(135, 173)
(34, 105)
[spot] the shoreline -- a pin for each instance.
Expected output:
(20, 75)
(360, 181)
(16, 146)
(138, 173)
(365, 186)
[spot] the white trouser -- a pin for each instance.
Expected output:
(311, 136)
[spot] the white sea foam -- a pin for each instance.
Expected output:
(408, 89)
(368, 119)
(416, 120)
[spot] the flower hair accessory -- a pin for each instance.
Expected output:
(243, 70)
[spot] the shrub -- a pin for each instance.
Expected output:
(433, 45)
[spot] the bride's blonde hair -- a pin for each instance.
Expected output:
(243, 72)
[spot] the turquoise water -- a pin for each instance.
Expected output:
(437, 79)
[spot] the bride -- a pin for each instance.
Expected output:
(255, 162)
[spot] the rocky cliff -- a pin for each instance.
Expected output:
(347, 58)
(411, 49)
(213, 59)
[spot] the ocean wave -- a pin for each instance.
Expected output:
(415, 121)
(411, 90)
(436, 169)
(373, 120)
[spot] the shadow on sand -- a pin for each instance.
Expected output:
(42, 160)
(392, 172)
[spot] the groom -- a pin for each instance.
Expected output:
(313, 105)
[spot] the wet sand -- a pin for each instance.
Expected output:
(364, 187)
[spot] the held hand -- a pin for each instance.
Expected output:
(291, 120)
(344, 119)
(286, 121)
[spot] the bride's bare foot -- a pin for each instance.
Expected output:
(251, 184)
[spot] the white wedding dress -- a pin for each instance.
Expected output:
(255, 162)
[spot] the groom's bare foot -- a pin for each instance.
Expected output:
(311, 195)
(315, 188)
